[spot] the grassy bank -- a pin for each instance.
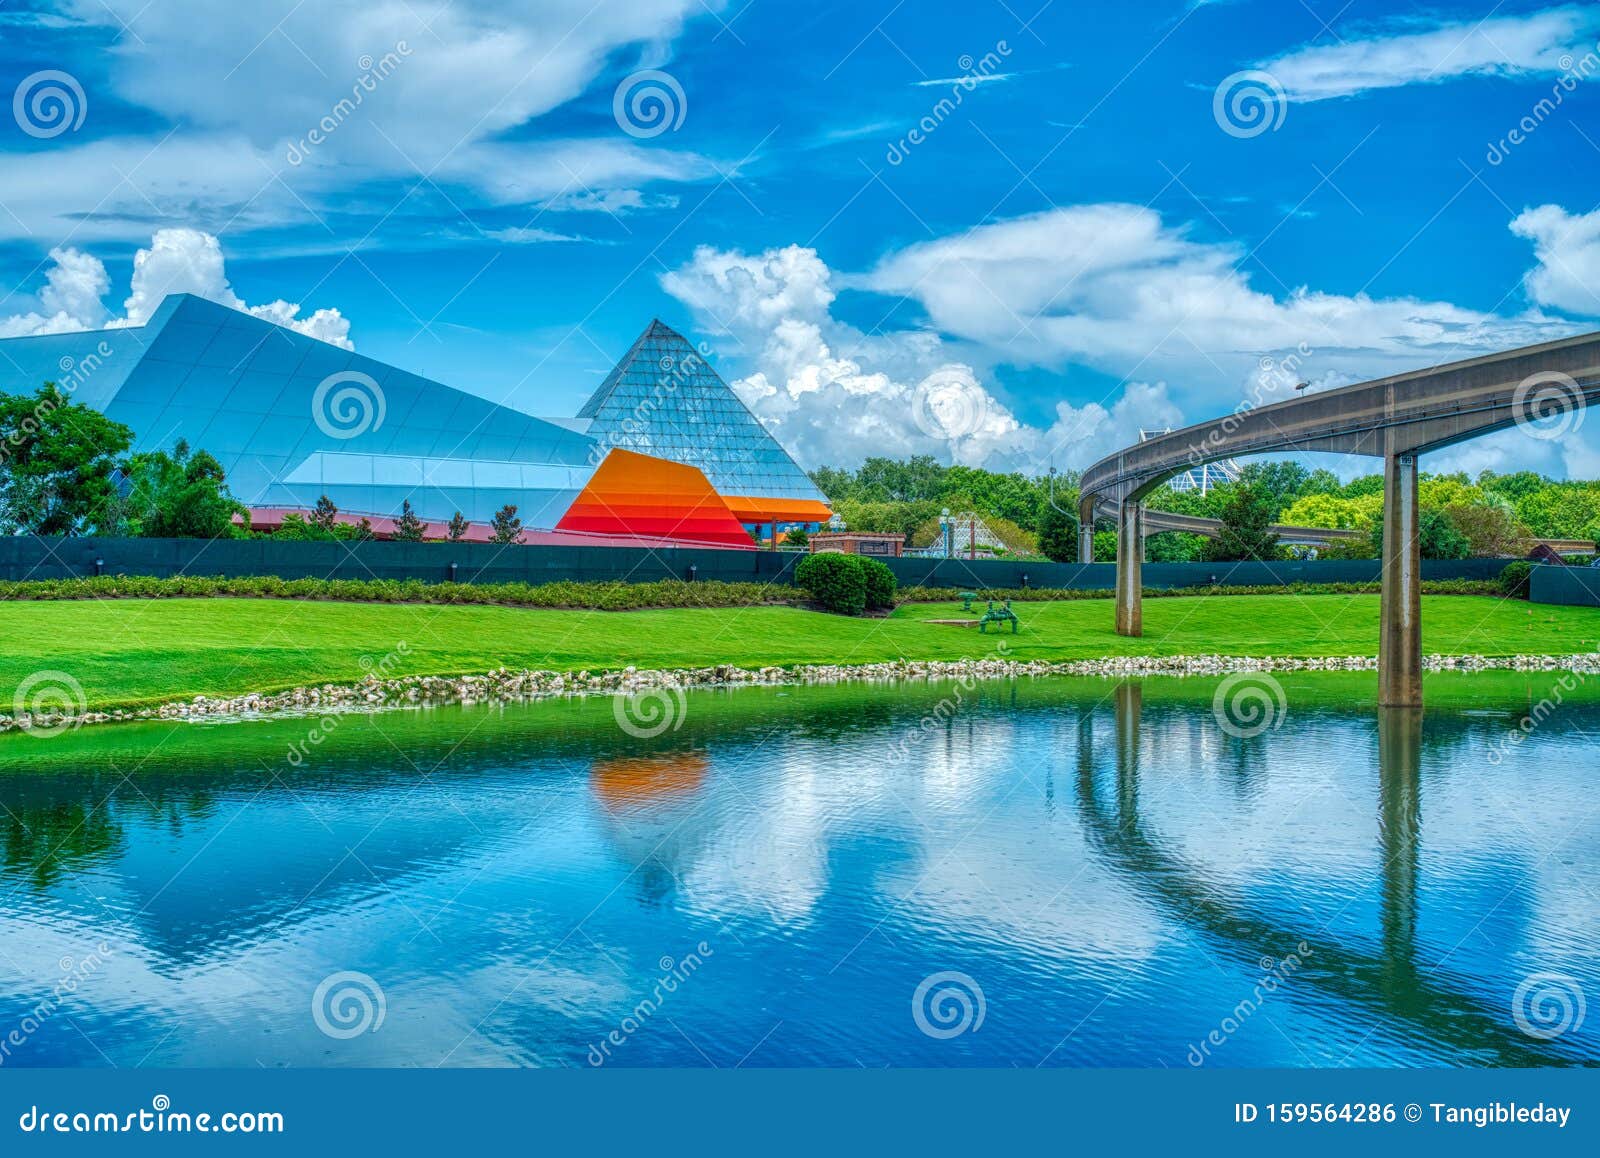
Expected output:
(139, 652)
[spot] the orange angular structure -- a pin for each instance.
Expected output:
(635, 494)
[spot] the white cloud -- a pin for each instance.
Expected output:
(177, 261)
(1115, 287)
(1567, 246)
(833, 394)
(1110, 286)
(397, 91)
(1499, 46)
(74, 285)
(967, 80)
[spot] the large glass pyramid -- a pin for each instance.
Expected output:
(664, 399)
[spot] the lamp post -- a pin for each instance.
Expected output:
(948, 528)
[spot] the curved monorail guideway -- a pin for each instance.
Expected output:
(1397, 419)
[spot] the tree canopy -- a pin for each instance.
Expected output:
(58, 463)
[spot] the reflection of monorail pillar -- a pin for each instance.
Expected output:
(1400, 632)
(1129, 701)
(1130, 555)
(1086, 530)
(1400, 828)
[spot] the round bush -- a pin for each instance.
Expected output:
(1514, 579)
(881, 584)
(835, 580)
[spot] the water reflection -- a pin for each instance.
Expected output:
(1390, 982)
(1108, 863)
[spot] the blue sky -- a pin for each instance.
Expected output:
(1001, 233)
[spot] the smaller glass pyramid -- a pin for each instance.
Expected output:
(664, 399)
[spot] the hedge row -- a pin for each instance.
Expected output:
(609, 596)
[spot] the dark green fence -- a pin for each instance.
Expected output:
(1573, 586)
(41, 558)
(31, 557)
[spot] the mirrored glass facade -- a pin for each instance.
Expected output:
(292, 419)
(664, 399)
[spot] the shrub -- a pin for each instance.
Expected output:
(1515, 578)
(835, 580)
(881, 583)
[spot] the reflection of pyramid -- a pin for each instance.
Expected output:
(636, 782)
(664, 399)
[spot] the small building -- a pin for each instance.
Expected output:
(858, 542)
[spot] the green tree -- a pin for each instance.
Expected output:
(182, 495)
(833, 482)
(1278, 483)
(1174, 547)
(457, 529)
(408, 528)
(890, 480)
(1058, 534)
(507, 527)
(58, 460)
(1246, 526)
(1439, 537)
(1515, 486)
(326, 514)
(796, 537)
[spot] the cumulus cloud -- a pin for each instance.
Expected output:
(70, 299)
(1116, 287)
(1534, 42)
(1110, 286)
(177, 261)
(1567, 247)
(835, 394)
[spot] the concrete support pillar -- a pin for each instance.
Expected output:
(1086, 530)
(1130, 557)
(1400, 632)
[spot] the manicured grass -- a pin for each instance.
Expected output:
(134, 652)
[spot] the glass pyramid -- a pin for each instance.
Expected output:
(664, 399)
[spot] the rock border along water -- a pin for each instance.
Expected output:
(504, 685)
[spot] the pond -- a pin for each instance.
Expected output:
(1063, 872)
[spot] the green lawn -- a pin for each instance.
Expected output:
(137, 652)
